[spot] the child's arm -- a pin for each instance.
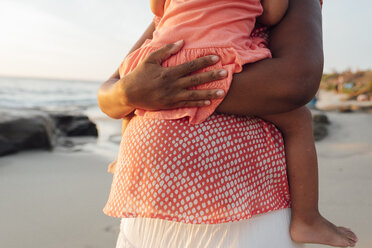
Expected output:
(273, 11)
(157, 7)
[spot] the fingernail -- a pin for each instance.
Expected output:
(223, 73)
(207, 102)
(215, 58)
(220, 93)
(178, 43)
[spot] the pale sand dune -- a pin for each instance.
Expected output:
(55, 200)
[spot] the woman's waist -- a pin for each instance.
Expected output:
(216, 123)
(209, 164)
(217, 136)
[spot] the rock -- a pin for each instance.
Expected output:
(73, 125)
(26, 129)
(37, 129)
(320, 131)
(6, 147)
(320, 123)
(321, 118)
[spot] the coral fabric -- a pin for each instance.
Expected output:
(208, 27)
(225, 169)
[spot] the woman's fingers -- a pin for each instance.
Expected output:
(199, 95)
(168, 88)
(201, 78)
(192, 66)
(164, 53)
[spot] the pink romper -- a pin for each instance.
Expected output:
(192, 165)
(208, 27)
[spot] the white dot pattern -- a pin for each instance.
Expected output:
(225, 169)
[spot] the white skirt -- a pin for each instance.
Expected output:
(261, 231)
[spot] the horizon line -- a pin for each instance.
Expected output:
(51, 78)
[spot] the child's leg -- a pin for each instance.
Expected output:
(307, 225)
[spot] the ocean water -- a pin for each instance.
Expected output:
(49, 94)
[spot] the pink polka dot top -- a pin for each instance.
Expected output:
(225, 169)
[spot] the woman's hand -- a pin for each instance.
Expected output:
(153, 87)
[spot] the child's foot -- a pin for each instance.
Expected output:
(321, 231)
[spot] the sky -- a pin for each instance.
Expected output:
(80, 39)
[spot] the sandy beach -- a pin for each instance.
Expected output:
(345, 172)
(55, 199)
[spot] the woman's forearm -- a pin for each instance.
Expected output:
(111, 99)
(111, 95)
(291, 78)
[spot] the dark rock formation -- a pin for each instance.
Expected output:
(321, 119)
(73, 125)
(34, 129)
(320, 131)
(6, 147)
(320, 123)
(21, 130)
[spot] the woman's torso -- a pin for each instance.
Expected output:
(225, 169)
